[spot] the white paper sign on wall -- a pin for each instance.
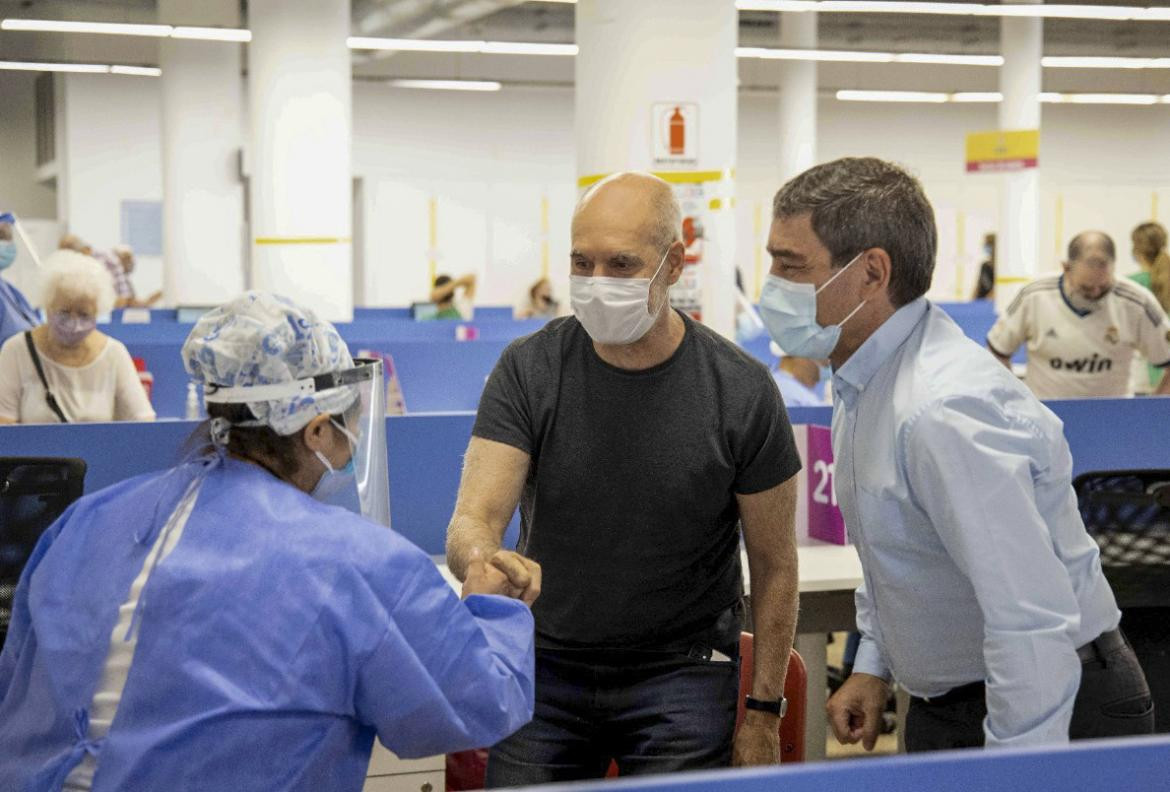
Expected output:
(675, 133)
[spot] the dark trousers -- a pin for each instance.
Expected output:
(649, 711)
(1112, 701)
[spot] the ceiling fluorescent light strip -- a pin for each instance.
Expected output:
(994, 96)
(79, 68)
(211, 34)
(857, 56)
(68, 26)
(448, 85)
(1102, 62)
(127, 29)
(480, 47)
(137, 71)
(1035, 10)
(892, 96)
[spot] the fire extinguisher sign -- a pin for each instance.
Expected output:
(675, 132)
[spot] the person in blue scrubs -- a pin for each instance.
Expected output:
(218, 626)
(16, 315)
(799, 379)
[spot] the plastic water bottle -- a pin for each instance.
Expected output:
(193, 412)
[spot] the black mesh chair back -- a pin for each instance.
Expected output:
(34, 491)
(1128, 513)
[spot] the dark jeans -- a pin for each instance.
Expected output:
(1112, 701)
(649, 711)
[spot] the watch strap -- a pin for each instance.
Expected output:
(777, 707)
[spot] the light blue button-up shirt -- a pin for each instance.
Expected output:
(955, 485)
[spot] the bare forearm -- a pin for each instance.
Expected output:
(775, 600)
(465, 536)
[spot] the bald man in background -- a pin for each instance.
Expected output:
(1083, 326)
(635, 442)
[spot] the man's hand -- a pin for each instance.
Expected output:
(855, 710)
(483, 578)
(522, 573)
(757, 742)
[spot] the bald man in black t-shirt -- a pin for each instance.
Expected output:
(635, 442)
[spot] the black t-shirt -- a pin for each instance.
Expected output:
(629, 506)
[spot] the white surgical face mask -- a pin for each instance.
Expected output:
(615, 311)
(789, 311)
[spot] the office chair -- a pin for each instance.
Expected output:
(1127, 512)
(34, 491)
(466, 769)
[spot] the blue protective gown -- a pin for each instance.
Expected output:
(273, 642)
(16, 315)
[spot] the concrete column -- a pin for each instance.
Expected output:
(300, 177)
(647, 71)
(202, 135)
(1018, 240)
(798, 96)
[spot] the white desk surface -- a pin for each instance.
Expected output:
(823, 567)
(829, 567)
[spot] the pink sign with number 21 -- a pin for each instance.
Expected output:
(824, 518)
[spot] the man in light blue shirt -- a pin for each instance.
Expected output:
(982, 593)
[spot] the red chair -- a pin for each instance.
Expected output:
(465, 769)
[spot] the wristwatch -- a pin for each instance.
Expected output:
(778, 707)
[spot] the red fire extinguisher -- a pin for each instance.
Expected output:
(678, 133)
(144, 376)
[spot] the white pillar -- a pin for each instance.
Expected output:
(1017, 249)
(202, 134)
(300, 177)
(638, 57)
(798, 96)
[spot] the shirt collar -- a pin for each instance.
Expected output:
(1064, 296)
(851, 378)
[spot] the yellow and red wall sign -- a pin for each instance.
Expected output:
(1002, 150)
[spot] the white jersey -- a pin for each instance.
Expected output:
(1074, 354)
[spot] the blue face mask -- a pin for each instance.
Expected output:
(789, 311)
(7, 253)
(335, 481)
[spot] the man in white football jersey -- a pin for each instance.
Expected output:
(1083, 326)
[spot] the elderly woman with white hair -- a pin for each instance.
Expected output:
(66, 370)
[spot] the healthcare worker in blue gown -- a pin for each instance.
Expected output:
(217, 626)
(16, 315)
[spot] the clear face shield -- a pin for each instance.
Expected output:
(356, 400)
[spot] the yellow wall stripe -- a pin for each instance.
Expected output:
(302, 240)
(1058, 237)
(432, 238)
(1012, 279)
(544, 236)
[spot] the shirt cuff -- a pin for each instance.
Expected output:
(869, 660)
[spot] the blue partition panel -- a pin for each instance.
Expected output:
(425, 455)
(426, 451)
(435, 376)
(1139, 765)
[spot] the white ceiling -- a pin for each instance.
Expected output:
(512, 20)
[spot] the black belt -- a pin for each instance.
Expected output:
(1095, 650)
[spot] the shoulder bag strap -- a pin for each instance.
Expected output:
(36, 359)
